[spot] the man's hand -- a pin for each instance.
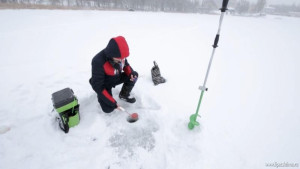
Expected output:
(133, 77)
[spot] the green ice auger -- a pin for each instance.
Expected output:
(193, 118)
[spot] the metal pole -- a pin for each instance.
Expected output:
(193, 118)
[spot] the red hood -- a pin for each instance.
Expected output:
(117, 47)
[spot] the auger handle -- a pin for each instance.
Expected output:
(224, 5)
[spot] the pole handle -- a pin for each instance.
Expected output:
(224, 5)
(121, 108)
(203, 88)
(215, 45)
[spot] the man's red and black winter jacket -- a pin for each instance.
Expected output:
(104, 75)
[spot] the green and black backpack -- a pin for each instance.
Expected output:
(66, 104)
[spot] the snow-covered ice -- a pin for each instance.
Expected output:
(250, 114)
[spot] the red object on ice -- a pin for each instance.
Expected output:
(134, 115)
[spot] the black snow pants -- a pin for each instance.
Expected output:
(126, 81)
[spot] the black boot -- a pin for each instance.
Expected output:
(125, 93)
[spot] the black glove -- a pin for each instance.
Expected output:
(134, 76)
(134, 73)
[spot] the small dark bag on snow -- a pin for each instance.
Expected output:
(156, 76)
(66, 104)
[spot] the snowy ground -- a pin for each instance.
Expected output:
(250, 114)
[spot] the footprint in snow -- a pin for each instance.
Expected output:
(127, 141)
(4, 129)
